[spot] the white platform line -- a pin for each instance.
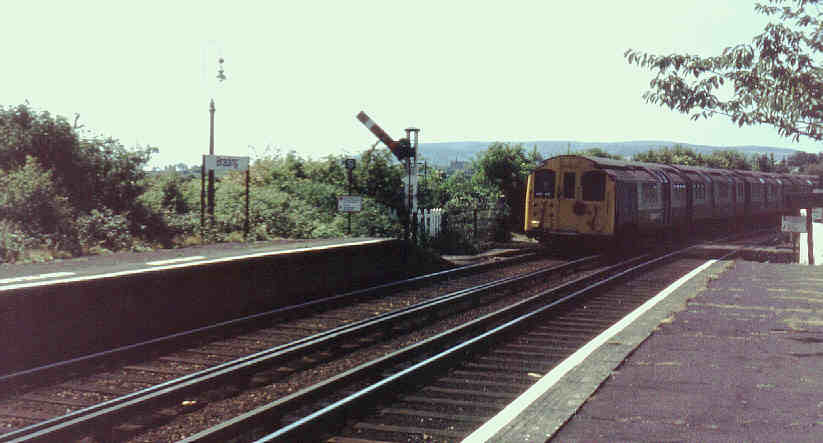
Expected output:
(185, 265)
(175, 260)
(25, 278)
(515, 408)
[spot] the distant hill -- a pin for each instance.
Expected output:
(442, 154)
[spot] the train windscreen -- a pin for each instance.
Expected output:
(594, 185)
(568, 185)
(544, 183)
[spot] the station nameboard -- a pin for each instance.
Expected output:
(225, 163)
(793, 223)
(349, 203)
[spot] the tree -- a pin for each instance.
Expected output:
(727, 159)
(800, 159)
(776, 78)
(599, 152)
(91, 172)
(506, 167)
(675, 155)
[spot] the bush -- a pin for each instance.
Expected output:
(375, 220)
(13, 241)
(29, 198)
(102, 231)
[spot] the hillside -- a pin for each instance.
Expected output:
(444, 153)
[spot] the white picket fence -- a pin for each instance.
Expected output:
(430, 221)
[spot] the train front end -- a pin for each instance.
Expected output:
(570, 202)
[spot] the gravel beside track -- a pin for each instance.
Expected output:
(26, 404)
(455, 402)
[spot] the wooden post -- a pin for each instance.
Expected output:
(809, 240)
(202, 194)
(246, 223)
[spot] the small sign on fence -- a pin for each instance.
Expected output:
(349, 203)
(793, 223)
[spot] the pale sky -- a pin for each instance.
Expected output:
(299, 71)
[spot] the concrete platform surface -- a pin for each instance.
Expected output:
(742, 362)
(15, 275)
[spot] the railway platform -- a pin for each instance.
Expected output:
(14, 276)
(734, 354)
(70, 308)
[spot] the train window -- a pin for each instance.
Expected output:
(699, 191)
(544, 183)
(649, 194)
(594, 185)
(679, 192)
(568, 185)
(741, 193)
(723, 190)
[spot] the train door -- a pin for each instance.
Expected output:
(543, 199)
(566, 197)
(595, 208)
(666, 195)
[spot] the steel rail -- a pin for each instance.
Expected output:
(86, 419)
(52, 369)
(314, 423)
(281, 407)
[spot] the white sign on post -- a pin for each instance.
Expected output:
(793, 223)
(226, 163)
(349, 203)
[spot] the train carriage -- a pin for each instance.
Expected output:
(723, 196)
(772, 190)
(701, 195)
(570, 186)
(588, 198)
(572, 199)
(754, 193)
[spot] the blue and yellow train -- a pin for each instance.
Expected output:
(580, 200)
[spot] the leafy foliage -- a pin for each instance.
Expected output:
(104, 231)
(598, 152)
(92, 173)
(776, 79)
(61, 191)
(30, 198)
(507, 167)
(681, 155)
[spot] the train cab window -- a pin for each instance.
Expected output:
(594, 185)
(544, 183)
(568, 185)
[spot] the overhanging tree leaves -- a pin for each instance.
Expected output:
(777, 79)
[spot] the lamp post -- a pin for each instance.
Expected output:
(221, 76)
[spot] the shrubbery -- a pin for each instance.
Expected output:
(63, 195)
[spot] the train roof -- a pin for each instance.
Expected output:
(704, 172)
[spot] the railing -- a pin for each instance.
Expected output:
(468, 225)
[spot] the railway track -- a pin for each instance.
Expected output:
(443, 388)
(112, 402)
